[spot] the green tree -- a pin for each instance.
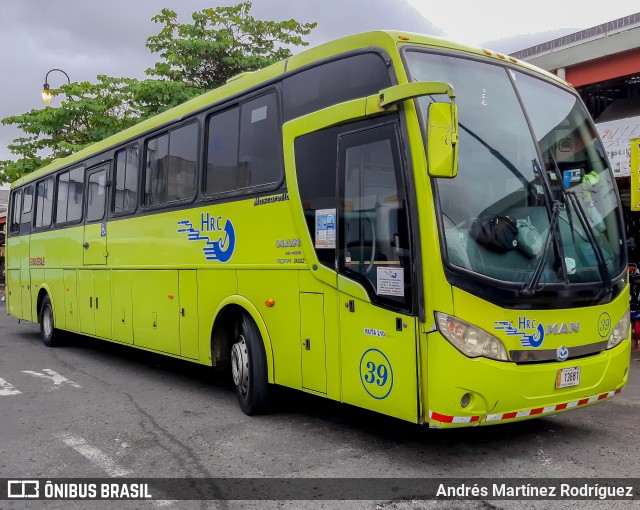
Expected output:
(220, 43)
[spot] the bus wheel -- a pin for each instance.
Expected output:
(249, 367)
(50, 335)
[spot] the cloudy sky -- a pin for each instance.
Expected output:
(90, 37)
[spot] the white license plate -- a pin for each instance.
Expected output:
(568, 377)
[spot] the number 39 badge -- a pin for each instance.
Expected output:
(376, 374)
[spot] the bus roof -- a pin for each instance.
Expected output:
(387, 40)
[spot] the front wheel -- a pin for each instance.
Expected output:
(51, 337)
(249, 367)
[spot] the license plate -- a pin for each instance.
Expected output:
(568, 377)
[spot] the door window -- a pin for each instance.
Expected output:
(96, 195)
(374, 245)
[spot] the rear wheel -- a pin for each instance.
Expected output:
(249, 367)
(51, 337)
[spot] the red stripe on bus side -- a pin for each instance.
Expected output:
(441, 417)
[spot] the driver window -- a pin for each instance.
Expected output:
(373, 217)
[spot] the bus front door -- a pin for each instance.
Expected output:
(95, 229)
(378, 331)
(348, 181)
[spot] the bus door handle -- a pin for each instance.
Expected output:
(307, 344)
(85, 245)
(351, 305)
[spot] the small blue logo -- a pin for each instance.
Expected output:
(376, 374)
(220, 238)
(562, 353)
(527, 338)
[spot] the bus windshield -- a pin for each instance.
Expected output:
(496, 214)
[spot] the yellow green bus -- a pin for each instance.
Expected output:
(389, 220)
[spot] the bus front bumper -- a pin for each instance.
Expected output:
(463, 392)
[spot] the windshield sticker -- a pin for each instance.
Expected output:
(390, 282)
(218, 234)
(326, 228)
(258, 114)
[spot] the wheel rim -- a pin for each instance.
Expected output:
(240, 364)
(47, 321)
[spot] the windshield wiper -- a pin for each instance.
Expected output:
(554, 208)
(530, 288)
(571, 199)
(588, 229)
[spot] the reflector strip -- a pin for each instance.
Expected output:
(443, 418)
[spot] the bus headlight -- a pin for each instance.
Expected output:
(621, 331)
(470, 340)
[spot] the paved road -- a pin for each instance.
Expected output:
(93, 409)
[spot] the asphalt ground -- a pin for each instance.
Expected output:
(96, 409)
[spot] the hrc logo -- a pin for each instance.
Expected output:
(525, 325)
(220, 238)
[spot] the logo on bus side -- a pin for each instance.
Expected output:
(532, 332)
(217, 232)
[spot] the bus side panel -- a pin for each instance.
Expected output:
(213, 286)
(188, 282)
(156, 313)
(37, 281)
(122, 306)
(14, 294)
(282, 319)
(70, 279)
(103, 302)
(86, 301)
(55, 283)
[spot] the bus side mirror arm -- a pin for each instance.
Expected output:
(412, 90)
(442, 125)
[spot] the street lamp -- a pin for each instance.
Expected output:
(46, 93)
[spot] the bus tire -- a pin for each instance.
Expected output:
(249, 367)
(51, 337)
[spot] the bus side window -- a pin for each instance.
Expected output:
(125, 196)
(334, 82)
(70, 194)
(170, 173)
(243, 147)
(316, 163)
(44, 203)
(16, 208)
(27, 205)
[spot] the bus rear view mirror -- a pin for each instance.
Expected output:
(442, 140)
(442, 128)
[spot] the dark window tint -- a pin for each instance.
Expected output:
(44, 203)
(316, 160)
(170, 172)
(27, 201)
(373, 224)
(70, 193)
(27, 204)
(16, 208)
(126, 180)
(223, 172)
(249, 158)
(260, 141)
(333, 83)
(96, 195)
